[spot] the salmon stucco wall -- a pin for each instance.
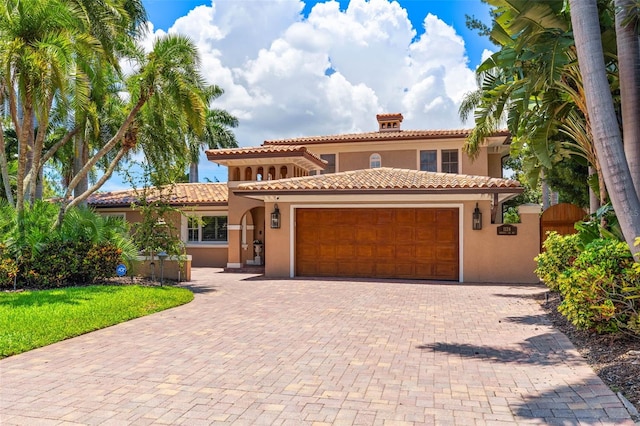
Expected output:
(476, 167)
(489, 257)
(495, 165)
(277, 242)
(401, 159)
(208, 256)
(172, 269)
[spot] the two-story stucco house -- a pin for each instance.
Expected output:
(390, 203)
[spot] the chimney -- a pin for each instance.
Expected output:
(389, 122)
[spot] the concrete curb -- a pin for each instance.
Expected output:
(630, 407)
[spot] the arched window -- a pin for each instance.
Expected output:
(283, 172)
(236, 174)
(375, 161)
(248, 174)
(272, 173)
(260, 174)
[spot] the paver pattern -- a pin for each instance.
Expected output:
(295, 352)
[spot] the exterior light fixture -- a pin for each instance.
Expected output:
(477, 219)
(162, 256)
(275, 217)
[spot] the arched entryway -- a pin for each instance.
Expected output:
(252, 237)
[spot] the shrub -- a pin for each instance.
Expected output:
(8, 272)
(560, 253)
(101, 262)
(67, 263)
(600, 289)
(86, 248)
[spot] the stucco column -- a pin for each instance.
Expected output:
(530, 216)
(233, 237)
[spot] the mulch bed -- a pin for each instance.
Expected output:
(615, 358)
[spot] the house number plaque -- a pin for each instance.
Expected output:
(507, 230)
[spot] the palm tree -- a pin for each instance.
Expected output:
(115, 32)
(534, 86)
(216, 134)
(629, 73)
(168, 75)
(606, 132)
(5, 164)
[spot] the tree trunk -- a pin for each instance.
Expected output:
(4, 168)
(545, 193)
(40, 184)
(629, 75)
(25, 145)
(604, 126)
(594, 202)
(80, 158)
(193, 173)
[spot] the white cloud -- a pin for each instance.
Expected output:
(486, 54)
(287, 76)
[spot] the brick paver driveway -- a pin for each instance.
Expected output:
(255, 351)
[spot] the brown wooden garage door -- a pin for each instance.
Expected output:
(386, 243)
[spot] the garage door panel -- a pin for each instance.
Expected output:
(345, 233)
(365, 235)
(364, 253)
(385, 270)
(446, 254)
(426, 216)
(444, 271)
(405, 216)
(328, 269)
(385, 252)
(308, 251)
(349, 269)
(307, 268)
(328, 235)
(425, 270)
(405, 270)
(446, 234)
(389, 242)
(345, 252)
(424, 234)
(364, 269)
(425, 252)
(405, 234)
(383, 217)
(327, 252)
(385, 234)
(405, 251)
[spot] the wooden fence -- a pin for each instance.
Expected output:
(560, 218)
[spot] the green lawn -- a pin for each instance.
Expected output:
(32, 319)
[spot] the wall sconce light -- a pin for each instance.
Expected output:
(477, 219)
(275, 217)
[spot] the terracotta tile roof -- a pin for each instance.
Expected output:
(288, 150)
(390, 116)
(385, 179)
(377, 136)
(178, 194)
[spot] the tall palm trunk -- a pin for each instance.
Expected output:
(4, 168)
(629, 75)
(193, 173)
(80, 158)
(604, 126)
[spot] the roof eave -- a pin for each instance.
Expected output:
(500, 190)
(172, 204)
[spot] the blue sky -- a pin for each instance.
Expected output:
(294, 68)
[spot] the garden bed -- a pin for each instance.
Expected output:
(615, 358)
